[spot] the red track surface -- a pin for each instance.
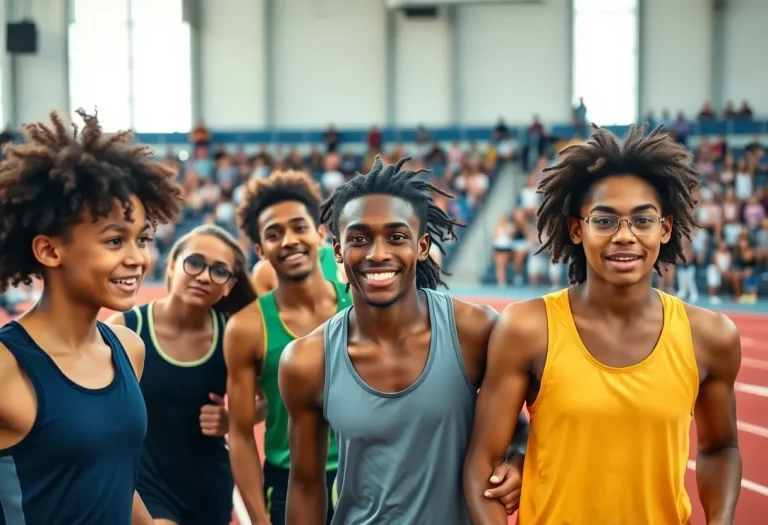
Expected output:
(752, 411)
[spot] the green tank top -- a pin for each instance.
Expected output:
(328, 263)
(276, 338)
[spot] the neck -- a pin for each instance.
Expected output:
(178, 314)
(72, 325)
(615, 301)
(302, 294)
(390, 322)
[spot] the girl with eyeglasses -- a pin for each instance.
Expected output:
(185, 476)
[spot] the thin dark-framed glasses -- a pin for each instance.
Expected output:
(639, 224)
(218, 273)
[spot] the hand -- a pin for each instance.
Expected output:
(214, 419)
(509, 478)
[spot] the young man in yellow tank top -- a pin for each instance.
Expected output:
(612, 370)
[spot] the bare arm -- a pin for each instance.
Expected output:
(302, 377)
(718, 460)
(243, 340)
(513, 343)
(263, 278)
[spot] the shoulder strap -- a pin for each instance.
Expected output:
(121, 356)
(133, 319)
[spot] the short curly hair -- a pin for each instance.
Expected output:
(654, 157)
(48, 181)
(280, 186)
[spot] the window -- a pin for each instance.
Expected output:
(138, 73)
(99, 73)
(605, 59)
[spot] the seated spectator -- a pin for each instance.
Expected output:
(719, 272)
(746, 277)
(501, 243)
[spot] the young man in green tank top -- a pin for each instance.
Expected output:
(280, 214)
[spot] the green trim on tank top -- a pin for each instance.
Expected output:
(183, 364)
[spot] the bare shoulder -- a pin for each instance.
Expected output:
(716, 339)
(132, 344)
(304, 357)
(244, 335)
(301, 374)
(524, 325)
(474, 318)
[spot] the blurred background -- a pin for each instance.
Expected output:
(481, 92)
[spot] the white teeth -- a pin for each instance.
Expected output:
(294, 256)
(383, 276)
(624, 259)
(127, 282)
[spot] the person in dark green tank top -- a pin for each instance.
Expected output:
(264, 279)
(280, 214)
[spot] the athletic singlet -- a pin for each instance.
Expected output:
(401, 454)
(276, 338)
(175, 449)
(610, 445)
(328, 263)
(78, 464)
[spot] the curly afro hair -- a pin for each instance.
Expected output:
(51, 179)
(280, 186)
(654, 157)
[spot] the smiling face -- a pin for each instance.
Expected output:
(380, 246)
(623, 256)
(100, 262)
(290, 240)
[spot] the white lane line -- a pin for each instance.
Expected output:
(749, 428)
(757, 364)
(755, 390)
(749, 485)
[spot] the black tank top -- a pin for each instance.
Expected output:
(79, 462)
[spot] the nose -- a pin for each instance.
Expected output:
(204, 277)
(137, 255)
(289, 239)
(377, 252)
(624, 234)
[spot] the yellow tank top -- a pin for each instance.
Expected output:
(609, 446)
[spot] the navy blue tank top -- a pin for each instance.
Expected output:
(176, 452)
(79, 462)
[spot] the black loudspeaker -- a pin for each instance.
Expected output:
(21, 38)
(421, 12)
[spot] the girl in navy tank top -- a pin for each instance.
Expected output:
(77, 212)
(184, 475)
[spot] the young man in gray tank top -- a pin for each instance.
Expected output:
(395, 375)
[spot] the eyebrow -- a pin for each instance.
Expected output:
(636, 209)
(295, 220)
(122, 228)
(366, 227)
(204, 258)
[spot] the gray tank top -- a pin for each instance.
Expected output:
(401, 454)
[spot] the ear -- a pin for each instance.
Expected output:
(666, 228)
(259, 251)
(574, 229)
(422, 248)
(47, 250)
(337, 250)
(170, 270)
(322, 232)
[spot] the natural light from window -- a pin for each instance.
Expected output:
(605, 59)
